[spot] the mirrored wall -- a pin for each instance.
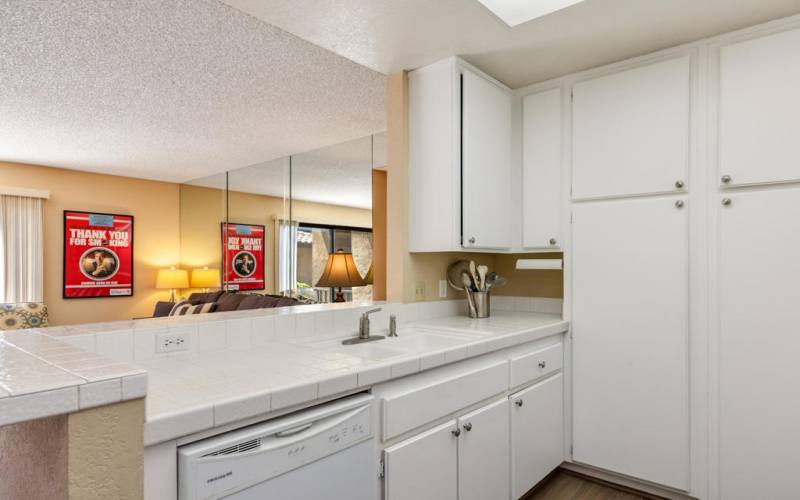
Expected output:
(300, 226)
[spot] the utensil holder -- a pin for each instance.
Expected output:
(479, 304)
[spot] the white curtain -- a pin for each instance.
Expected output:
(287, 255)
(21, 249)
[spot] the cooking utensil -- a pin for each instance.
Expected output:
(454, 272)
(465, 280)
(482, 270)
(473, 273)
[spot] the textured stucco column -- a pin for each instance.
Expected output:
(397, 186)
(106, 452)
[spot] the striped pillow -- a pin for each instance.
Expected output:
(184, 308)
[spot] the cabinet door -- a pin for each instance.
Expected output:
(483, 453)
(423, 467)
(541, 170)
(759, 345)
(630, 338)
(537, 433)
(486, 164)
(631, 131)
(759, 108)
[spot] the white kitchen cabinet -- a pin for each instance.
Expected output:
(541, 170)
(483, 453)
(630, 338)
(459, 166)
(759, 345)
(759, 109)
(537, 439)
(631, 131)
(424, 467)
(486, 163)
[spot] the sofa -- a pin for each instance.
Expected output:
(229, 301)
(19, 316)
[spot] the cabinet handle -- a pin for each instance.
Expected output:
(468, 426)
(553, 241)
(679, 184)
(456, 432)
(679, 204)
(726, 179)
(472, 240)
(726, 202)
(542, 364)
(518, 403)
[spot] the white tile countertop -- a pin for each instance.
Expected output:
(211, 389)
(246, 364)
(41, 376)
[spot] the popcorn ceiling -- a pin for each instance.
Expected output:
(170, 90)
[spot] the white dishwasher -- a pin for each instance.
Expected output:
(325, 452)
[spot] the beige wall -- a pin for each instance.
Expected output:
(154, 206)
(379, 234)
(202, 211)
(106, 452)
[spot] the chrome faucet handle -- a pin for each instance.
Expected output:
(393, 325)
(363, 323)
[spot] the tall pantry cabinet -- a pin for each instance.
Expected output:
(757, 207)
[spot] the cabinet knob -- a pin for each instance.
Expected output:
(456, 432)
(518, 403)
(679, 204)
(472, 240)
(726, 202)
(468, 426)
(553, 241)
(679, 184)
(542, 364)
(725, 179)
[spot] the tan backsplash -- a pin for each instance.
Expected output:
(429, 268)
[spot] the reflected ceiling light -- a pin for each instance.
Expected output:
(514, 12)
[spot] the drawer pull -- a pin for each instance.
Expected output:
(542, 364)
(456, 432)
(468, 426)
(518, 403)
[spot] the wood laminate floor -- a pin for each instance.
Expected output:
(565, 485)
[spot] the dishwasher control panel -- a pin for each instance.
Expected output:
(229, 463)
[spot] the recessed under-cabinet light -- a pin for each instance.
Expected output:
(514, 12)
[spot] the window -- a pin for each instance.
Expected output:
(21, 249)
(315, 242)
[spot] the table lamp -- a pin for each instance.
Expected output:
(205, 278)
(369, 279)
(340, 271)
(172, 279)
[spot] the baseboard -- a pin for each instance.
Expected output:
(628, 483)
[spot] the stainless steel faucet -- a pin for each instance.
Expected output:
(363, 324)
(393, 325)
(363, 330)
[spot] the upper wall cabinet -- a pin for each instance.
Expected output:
(758, 110)
(459, 160)
(485, 163)
(541, 170)
(631, 131)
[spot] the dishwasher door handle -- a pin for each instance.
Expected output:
(296, 430)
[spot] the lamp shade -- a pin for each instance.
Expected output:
(340, 271)
(172, 278)
(205, 278)
(369, 279)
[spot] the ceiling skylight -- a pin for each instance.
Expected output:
(514, 12)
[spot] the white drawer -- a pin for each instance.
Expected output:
(531, 366)
(438, 398)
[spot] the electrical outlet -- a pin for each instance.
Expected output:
(442, 289)
(419, 290)
(172, 342)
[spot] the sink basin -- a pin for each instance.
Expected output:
(424, 341)
(409, 341)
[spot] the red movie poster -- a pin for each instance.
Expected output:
(98, 255)
(243, 251)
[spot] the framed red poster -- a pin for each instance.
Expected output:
(243, 253)
(98, 255)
